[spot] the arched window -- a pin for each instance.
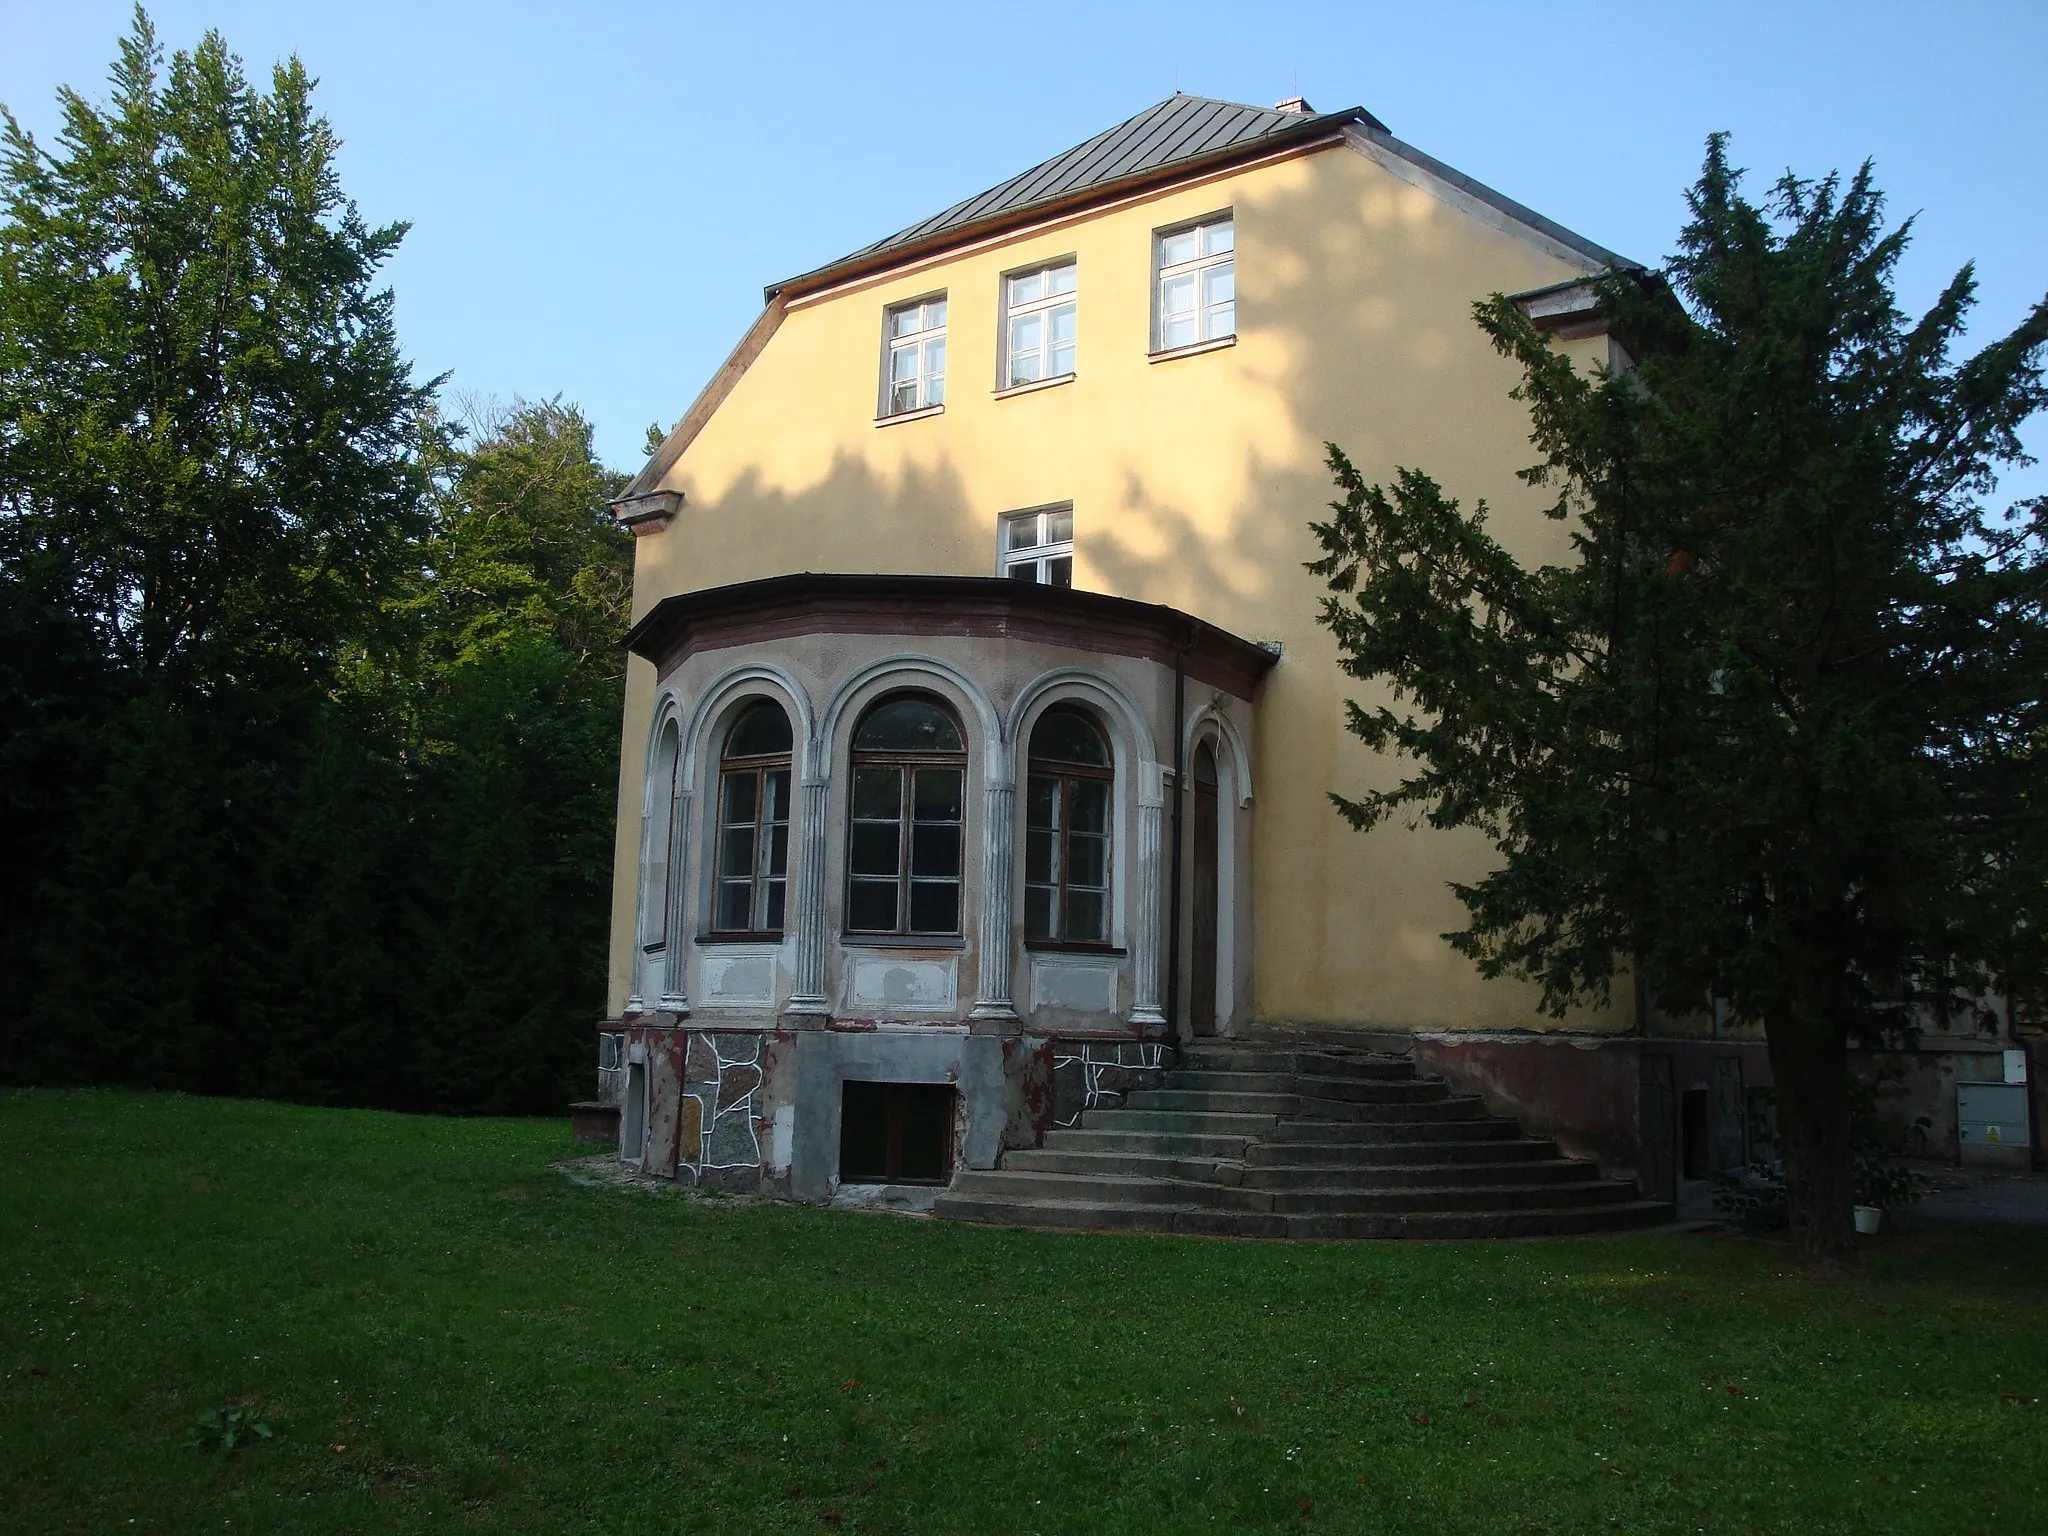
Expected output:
(753, 822)
(661, 800)
(909, 791)
(1066, 830)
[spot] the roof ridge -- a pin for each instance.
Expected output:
(1181, 128)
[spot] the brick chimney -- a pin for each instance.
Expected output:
(1297, 104)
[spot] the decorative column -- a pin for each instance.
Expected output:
(808, 999)
(673, 999)
(1148, 897)
(998, 859)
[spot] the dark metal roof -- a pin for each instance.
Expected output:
(813, 602)
(1168, 138)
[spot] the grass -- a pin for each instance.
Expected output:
(445, 1334)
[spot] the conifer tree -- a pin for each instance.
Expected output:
(1771, 735)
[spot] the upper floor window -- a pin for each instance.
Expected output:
(909, 796)
(915, 374)
(1066, 830)
(1038, 324)
(1039, 546)
(753, 822)
(1196, 292)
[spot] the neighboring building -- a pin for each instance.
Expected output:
(985, 538)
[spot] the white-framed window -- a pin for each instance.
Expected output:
(914, 370)
(1038, 324)
(1195, 297)
(1039, 546)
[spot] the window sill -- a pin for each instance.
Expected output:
(917, 415)
(1034, 386)
(902, 941)
(1194, 349)
(1072, 947)
(774, 937)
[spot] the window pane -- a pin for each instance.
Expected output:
(1028, 288)
(1177, 295)
(903, 397)
(906, 322)
(907, 725)
(1087, 917)
(872, 907)
(903, 364)
(1023, 570)
(935, 372)
(1023, 532)
(1088, 801)
(1038, 856)
(874, 848)
(778, 796)
(877, 793)
(1060, 360)
(934, 314)
(1218, 237)
(1060, 279)
(739, 800)
(1060, 572)
(1026, 331)
(734, 897)
(1175, 249)
(1221, 321)
(1087, 861)
(761, 730)
(1059, 527)
(1042, 801)
(1038, 912)
(777, 891)
(934, 907)
(1061, 321)
(935, 850)
(736, 852)
(1065, 735)
(778, 849)
(1219, 283)
(938, 794)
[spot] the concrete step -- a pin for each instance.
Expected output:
(1214, 1101)
(1101, 1216)
(1109, 1189)
(1446, 1127)
(1490, 1148)
(1256, 1058)
(1204, 1170)
(1373, 1090)
(1433, 1173)
(1153, 1143)
(1179, 1122)
(1580, 1195)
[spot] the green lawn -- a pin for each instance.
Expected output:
(446, 1334)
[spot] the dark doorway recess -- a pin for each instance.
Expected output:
(896, 1133)
(1695, 1133)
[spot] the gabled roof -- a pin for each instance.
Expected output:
(1166, 140)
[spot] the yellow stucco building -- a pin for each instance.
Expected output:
(979, 731)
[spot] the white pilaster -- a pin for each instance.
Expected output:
(809, 915)
(998, 860)
(1147, 927)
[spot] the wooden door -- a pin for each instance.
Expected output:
(1203, 893)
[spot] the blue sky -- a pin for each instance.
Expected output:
(600, 191)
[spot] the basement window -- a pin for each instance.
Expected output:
(896, 1133)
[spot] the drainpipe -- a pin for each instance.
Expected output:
(1180, 750)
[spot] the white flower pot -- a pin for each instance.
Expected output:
(1867, 1219)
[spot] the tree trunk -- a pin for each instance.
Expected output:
(1809, 1059)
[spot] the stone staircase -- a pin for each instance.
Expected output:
(1311, 1140)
